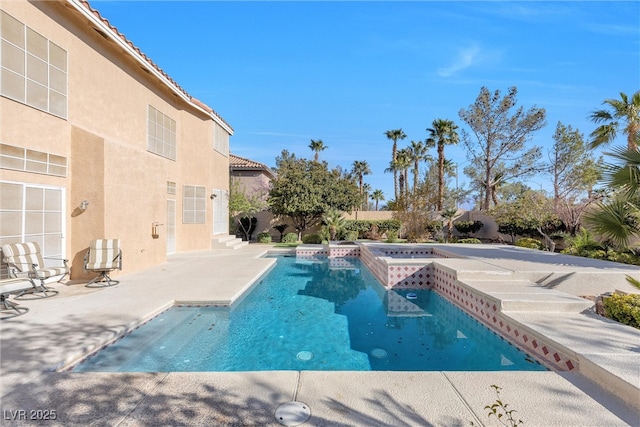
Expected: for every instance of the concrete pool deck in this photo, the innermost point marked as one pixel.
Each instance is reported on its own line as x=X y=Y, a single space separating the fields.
x=58 y=330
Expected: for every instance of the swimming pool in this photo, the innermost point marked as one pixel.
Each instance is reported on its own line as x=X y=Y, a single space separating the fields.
x=314 y=314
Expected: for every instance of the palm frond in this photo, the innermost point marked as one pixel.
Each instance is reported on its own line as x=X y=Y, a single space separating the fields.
x=617 y=221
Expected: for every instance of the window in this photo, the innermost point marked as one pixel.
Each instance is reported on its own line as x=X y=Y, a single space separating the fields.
x=220 y=140
x=171 y=187
x=161 y=134
x=22 y=159
x=194 y=204
x=32 y=213
x=33 y=69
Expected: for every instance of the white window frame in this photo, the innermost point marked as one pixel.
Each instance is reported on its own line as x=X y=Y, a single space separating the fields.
x=194 y=204
x=52 y=84
x=161 y=134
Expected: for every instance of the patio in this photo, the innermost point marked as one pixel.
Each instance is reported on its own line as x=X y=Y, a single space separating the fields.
x=58 y=331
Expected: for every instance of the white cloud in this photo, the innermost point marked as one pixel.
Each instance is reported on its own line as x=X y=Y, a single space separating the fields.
x=466 y=58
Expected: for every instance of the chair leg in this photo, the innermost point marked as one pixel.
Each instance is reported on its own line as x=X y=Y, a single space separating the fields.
x=103 y=280
x=7 y=306
x=39 y=291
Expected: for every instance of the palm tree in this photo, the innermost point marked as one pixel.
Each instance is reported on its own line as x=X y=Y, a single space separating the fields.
x=376 y=196
x=418 y=153
x=334 y=221
x=395 y=135
x=449 y=214
x=360 y=169
x=366 y=189
x=623 y=110
x=317 y=146
x=619 y=219
x=444 y=132
x=403 y=163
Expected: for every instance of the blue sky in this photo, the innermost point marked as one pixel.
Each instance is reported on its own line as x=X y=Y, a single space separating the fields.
x=283 y=73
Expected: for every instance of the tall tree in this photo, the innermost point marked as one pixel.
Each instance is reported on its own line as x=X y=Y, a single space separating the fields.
x=444 y=132
x=377 y=195
x=574 y=172
x=622 y=115
x=366 y=190
x=243 y=207
x=304 y=190
x=317 y=146
x=395 y=135
x=360 y=168
x=418 y=151
x=403 y=163
x=531 y=212
x=501 y=136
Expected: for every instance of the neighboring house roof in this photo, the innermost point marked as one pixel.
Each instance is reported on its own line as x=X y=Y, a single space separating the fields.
x=113 y=33
x=237 y=163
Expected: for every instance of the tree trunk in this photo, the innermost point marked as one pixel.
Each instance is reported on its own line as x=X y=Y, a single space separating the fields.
x=487 y=189
x=440 y=176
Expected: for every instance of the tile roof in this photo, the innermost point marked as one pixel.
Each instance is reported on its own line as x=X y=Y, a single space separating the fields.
x=148 y=60
x=240 y=163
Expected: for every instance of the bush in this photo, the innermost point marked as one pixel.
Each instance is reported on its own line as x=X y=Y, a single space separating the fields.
x=290 y=238
x=371 y=228
x=608 y=254
x=351 y=235
x=624 y=309
x=264 y=237
x=470 y=240
x=312 y=239
x=528 y=242
x=392 y=236
x=468 y=227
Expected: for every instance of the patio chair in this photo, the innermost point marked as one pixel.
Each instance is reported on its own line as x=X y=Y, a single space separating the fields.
x=9 y=286
x=103 y=256
x=25 y=260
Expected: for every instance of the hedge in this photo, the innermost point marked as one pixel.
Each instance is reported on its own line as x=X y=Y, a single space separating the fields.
x=624 y=309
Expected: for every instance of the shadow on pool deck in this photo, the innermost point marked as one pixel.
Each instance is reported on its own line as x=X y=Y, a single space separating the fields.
x=60 y=328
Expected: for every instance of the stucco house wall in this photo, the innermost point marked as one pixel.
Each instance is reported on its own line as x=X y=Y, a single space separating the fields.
x=110 y=87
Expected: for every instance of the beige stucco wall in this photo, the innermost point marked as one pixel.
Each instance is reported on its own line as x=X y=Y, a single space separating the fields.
x=104 y=139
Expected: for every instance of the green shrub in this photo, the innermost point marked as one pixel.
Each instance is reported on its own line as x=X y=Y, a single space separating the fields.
x=528 y=242
x=392 y=236
x=389 y=225
x=624 y=309
x=312 y=239
x=264 y=237
x=351 y=235
x=468 y=227
x=469 y=240
x=290 y=238
x=366 y=228
x=604 y=254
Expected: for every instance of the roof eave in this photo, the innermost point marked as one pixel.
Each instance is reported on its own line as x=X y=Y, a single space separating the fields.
x=94 y=17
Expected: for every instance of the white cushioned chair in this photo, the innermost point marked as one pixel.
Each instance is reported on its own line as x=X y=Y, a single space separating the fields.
x=10 y=286
x=103 y=257
x=26 y=260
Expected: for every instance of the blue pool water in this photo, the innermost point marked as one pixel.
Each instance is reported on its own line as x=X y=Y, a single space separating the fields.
x=314 y=315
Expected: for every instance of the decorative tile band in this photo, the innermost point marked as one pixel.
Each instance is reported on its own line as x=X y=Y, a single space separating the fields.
x=394 y=274
x=487 y=310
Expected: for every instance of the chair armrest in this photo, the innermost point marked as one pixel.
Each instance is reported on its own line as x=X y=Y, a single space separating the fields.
x=64 y=260
x=30 y=266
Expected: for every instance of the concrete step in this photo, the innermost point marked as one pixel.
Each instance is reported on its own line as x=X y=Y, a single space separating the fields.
x=227 y=242
x=522 y=295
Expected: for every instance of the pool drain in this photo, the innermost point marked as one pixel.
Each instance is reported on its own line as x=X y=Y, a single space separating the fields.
x=305 y=356
x=379 y=353
x=292 y=413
